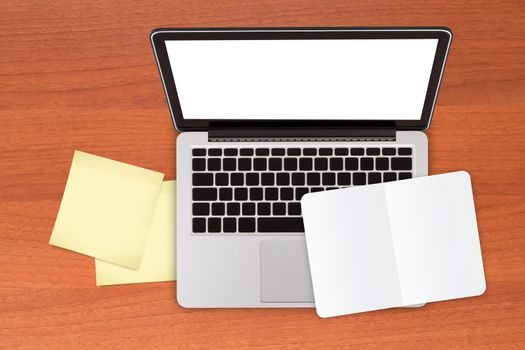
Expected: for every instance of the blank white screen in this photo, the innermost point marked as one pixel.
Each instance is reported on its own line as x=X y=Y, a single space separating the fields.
x=344 y=79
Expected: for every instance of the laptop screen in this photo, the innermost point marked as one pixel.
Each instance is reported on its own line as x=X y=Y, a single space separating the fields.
x=335 y=79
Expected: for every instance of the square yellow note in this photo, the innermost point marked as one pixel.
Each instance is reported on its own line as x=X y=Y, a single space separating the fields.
x=158 y=261
x=106 y=210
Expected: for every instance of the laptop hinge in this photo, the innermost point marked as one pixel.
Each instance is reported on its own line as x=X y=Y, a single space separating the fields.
x=268 y=134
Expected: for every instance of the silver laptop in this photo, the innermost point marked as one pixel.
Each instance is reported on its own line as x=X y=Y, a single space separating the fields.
x=267 y=115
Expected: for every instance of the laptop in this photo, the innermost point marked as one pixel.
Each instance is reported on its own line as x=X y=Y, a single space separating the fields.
x=267 y=115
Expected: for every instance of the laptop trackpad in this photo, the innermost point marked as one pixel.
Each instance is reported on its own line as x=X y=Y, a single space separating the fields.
x=285 y=272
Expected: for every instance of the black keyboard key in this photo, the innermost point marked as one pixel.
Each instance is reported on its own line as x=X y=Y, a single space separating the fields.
x=279 y=208
x=287 y=194
x=202 y=179
x=199 y=152
x=351 y=163
x=237 y=179
x=305 y=164
x=332 y=188
x=387 y=177
x=229 y=164
x=336 y=164
x=325 y=151
x=389 y=151
x=367 y=163
x=404 y=151
x=245 y=163
x=221 y=179
x=341 y=151
x=283 y=179
x=252 y=179
x=214 y=225
x=357 y=151
x=401 y=163
x=316 y=189
x=321 y=163
x=218 y=209
x=215 y=152
x=199 y=164
x=374 y=178
x=199 y=225
x=359 y=179
x=290 y=164
x=309 y=152
x=230 y=152
x=403 y=176
x=256 y=194
x=247 y=224
x=246 y=152
x=229 y=225
x=298 y=179
x=372 y=151
x=204 y=194
x=259 y=164
x=264 y=209
x=225 y=194
x=294 y=208
x=382 y=163
x=294 y=151
x=275 y=164
x=200 y=209
x=300 y=192
x=313 y=179
x=287 y=224
x=262 y=152
x=271 y=194
x=233 y=208
x=248 y=208
x=267 y=179
x=241 y=194
x=214 y=164
x=328 y=179
x=278 y=152
x=343 y=179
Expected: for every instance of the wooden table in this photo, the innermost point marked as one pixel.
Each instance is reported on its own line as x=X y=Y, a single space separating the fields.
x=81 y=75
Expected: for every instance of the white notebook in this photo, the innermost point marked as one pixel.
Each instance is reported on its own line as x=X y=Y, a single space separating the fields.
x=393 y=244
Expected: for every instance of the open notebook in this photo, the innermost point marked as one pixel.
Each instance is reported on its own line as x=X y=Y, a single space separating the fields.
x=394 y=244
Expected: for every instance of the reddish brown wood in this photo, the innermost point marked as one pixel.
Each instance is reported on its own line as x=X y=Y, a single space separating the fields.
x=81 y=75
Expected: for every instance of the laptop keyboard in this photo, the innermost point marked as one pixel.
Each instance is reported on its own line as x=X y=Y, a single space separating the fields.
x=258 y=190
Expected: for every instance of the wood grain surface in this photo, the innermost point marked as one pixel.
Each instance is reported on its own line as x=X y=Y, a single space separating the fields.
x=81 y=75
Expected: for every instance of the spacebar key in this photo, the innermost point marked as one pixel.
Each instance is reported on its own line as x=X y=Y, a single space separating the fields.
x=280 y=225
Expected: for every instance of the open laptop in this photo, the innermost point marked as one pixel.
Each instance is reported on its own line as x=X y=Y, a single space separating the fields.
x=267 y=115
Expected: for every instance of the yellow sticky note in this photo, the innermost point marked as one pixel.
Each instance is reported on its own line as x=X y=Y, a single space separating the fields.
x=158 y=261
x=107 y=209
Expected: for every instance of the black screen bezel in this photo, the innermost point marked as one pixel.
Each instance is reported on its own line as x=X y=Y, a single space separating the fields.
x=161 y=35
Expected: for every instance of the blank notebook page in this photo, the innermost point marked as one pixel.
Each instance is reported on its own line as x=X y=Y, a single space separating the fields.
x=435 y=235
x=393 y=244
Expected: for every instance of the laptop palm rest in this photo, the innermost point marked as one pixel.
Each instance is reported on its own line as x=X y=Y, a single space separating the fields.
x=285 y=272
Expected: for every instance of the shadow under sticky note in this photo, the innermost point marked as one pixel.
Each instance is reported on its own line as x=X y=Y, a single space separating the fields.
x=107 y=209
x=158 y=260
